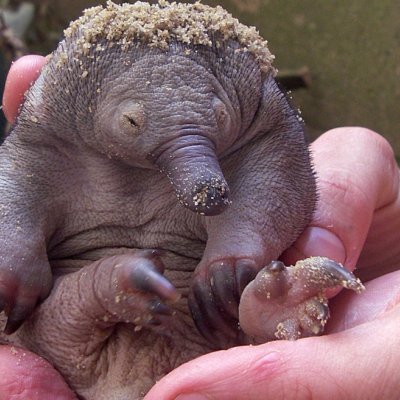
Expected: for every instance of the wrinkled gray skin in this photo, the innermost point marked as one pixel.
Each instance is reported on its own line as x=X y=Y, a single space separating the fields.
x=82 y=198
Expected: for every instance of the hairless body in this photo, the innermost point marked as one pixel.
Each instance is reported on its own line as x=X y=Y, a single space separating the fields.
x=138 y=106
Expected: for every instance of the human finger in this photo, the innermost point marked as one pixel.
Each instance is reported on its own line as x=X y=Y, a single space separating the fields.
x=349 y=364
x=22 y=73
x=356 y=175
x=24 y=375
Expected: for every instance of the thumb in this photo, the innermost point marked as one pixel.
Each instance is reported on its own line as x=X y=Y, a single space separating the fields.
x=348 y=365
x=22 y=74
x=24 y=375
x=356 y=172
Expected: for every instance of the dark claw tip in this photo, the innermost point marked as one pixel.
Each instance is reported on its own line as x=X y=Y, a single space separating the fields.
x=149 y=280
x=245 y=272
x=162 y=287
x=345 y=277
x=159 y=308
x=276 y=267
x=354 y=284
x=208 y=317
x=223 y=287
x=12 y=325
x=17 y=315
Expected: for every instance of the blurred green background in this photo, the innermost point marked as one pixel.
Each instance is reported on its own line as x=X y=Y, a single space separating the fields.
x=351 y=49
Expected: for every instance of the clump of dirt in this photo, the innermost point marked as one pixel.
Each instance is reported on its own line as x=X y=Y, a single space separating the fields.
x=156 y=25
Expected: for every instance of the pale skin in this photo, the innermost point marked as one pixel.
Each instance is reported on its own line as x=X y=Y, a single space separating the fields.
x=357 y=222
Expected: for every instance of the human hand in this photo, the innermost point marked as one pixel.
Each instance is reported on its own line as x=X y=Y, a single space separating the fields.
x=358 y=212
x=21 y=75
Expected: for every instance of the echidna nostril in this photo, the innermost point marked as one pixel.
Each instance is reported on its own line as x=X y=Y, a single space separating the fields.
x=212 y=198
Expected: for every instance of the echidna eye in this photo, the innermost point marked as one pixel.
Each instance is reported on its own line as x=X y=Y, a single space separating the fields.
x=131 y=121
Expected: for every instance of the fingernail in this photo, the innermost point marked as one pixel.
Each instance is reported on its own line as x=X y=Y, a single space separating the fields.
x=191 y=396
x=316 y=241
